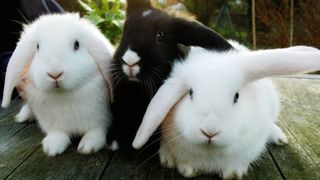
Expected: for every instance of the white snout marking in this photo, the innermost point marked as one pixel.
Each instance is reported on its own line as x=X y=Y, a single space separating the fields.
x=146 y=13
x=130 y=66
x=130 y=57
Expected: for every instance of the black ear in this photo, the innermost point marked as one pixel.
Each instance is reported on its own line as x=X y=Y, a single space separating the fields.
x=184 y=49
x=192 y=33
x=137 y=4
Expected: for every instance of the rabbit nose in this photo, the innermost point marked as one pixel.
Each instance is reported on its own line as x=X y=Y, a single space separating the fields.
x=209 y=135
x=130 y=64
x=130 y=58
x=55 y=76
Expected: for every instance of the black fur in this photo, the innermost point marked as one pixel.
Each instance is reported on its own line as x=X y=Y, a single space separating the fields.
x=155 y=38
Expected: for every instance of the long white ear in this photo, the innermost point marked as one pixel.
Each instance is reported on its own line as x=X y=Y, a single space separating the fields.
x=286 y=61
x=102 y=51
x=22 y=55
x=166 y=97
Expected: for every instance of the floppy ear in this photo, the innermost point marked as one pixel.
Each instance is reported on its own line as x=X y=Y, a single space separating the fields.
x=102 y=51
x=166 y=97
x=184 y=49
x=137 y=4
x=21 y=57
x=286 y=61
x=192 y=33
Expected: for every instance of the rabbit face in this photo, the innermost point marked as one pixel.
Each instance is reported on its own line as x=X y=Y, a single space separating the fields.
x=61 y=60
x=146 y=50
x=58 y=51
x=208 y=114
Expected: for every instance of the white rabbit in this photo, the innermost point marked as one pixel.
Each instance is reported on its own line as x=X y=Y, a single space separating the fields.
x=218 y=112
x=61 y=67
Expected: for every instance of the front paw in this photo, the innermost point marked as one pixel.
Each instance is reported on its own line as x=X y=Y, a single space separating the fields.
x=55 y=143
x=165 y=159
x=92 y=142
x=235 y=173
x=278 y=137
x=25 y=114
x=114 y=146
x=187 y=171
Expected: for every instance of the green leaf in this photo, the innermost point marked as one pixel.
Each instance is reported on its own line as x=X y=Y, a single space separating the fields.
x=115 y=6
x=95 y=19
x=107 y=16
x=85 y=6
x=105 y=5
x=117 y=23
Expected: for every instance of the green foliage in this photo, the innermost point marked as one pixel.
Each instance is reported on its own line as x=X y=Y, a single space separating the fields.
x=107 y=16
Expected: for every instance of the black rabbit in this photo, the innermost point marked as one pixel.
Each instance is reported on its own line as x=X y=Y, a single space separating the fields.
x=150 y=44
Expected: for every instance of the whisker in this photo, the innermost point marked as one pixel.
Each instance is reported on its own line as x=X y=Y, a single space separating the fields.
x=118 y=80
x=150 y=88
x=145 y=87
x=24 y=17
x=150 y=144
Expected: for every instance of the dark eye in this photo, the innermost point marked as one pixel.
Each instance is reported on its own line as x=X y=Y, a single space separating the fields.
x=37 y=46
x=160 y=36
x=236 y=97
x=76 y=45
x=191 y=93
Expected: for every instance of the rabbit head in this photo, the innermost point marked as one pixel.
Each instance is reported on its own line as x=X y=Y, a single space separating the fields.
x=151 y=39
x=58 y=52
x=213 y=92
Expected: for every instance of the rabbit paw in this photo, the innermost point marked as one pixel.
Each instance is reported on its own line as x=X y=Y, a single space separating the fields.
x=114 y=146
x=165 y=159
x=278 y=137
x=55 y=143
x=236 y=173
x=25 y=114
x=92 y=142
x=187 y=171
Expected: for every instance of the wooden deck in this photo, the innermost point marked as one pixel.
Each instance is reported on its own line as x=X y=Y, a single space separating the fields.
x=21 y=156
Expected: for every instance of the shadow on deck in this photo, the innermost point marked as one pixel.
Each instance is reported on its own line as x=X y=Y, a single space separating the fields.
x=21 y=156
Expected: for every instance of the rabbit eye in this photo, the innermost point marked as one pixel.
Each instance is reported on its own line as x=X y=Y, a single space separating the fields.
x=37 y=46
x=236 y=97
x=76 y=45
x=160 y=36
x=191 y=93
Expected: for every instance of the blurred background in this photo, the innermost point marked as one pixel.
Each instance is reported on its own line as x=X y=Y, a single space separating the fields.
x=256 y=23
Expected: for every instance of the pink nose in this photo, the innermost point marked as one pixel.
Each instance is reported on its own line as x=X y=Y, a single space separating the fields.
x=131 y=65
x=209 y=135
x=55 y=76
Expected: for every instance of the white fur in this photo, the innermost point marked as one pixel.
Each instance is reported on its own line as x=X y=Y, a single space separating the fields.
x=131 y=57
x=243 y=129
x=146 y=13
x=25 y=114
x=131 y=68
x=77 y=103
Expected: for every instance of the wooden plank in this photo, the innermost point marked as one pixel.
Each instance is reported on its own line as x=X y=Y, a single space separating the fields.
x=15 y=105
x=8 y=127
x=69 y=165
x=263 y=169
x=128 y=166
x=300 y=120
x=293 y=161
x=14 y=151
x=159 y=172
x=301 y=113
